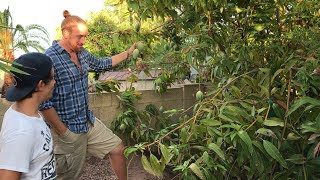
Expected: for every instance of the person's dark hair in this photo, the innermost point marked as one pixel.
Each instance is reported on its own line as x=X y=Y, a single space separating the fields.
x=70 y=21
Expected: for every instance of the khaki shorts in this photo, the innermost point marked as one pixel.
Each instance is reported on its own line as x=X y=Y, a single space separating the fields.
x=71 y=149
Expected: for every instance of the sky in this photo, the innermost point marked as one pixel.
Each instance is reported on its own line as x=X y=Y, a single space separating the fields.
x=48 y=13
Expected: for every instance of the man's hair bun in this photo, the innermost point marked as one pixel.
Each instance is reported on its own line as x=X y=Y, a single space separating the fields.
x=66 y=13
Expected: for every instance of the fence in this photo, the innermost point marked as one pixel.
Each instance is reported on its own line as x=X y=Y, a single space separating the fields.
x=106 y=105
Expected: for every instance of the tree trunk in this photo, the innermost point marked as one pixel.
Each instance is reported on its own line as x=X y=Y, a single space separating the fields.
x=7 y=76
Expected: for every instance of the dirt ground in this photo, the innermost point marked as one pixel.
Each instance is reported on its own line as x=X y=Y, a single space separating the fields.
x=96 y=169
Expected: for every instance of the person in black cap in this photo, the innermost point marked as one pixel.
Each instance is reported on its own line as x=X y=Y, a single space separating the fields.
x=26 y=146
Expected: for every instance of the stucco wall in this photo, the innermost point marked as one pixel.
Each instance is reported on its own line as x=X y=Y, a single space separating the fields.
x=106 y=105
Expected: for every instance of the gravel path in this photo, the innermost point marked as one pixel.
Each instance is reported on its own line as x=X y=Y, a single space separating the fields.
x=96 y=169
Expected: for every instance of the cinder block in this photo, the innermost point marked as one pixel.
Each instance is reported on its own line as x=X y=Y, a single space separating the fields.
x=173 y=104
x=190 y=90
x=149 y=96
x=100 y=100
x=173 y=94
x=107 y=115
x=114 y=100
x=96 y=112
x=4 y=106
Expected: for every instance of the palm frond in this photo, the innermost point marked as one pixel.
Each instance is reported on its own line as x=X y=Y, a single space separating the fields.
x=38 y=28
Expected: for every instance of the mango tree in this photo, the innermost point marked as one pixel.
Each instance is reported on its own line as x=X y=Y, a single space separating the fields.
x=260 y=117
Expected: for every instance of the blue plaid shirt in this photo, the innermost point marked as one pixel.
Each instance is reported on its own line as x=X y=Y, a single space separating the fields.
x=70 y=96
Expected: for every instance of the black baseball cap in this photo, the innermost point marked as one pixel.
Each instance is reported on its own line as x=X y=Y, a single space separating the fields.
x=37 y=65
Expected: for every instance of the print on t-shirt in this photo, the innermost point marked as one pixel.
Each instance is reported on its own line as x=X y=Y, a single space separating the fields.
x=48 y=171
x=47 y=137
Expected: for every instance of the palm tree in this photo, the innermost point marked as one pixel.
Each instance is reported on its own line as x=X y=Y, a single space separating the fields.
x=17 y=37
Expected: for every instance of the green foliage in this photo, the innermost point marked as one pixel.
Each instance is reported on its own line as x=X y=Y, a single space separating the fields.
x=139 y=125
x=18 y=37
x=6 y=68
x=30 y=37
x=109 y=85
x=163 y=81
x=261 y=117
x=114 y=30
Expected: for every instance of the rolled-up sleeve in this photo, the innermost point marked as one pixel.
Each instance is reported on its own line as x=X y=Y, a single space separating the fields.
x=97 y=64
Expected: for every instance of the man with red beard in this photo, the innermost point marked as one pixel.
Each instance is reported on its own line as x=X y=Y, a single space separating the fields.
x=77 y=130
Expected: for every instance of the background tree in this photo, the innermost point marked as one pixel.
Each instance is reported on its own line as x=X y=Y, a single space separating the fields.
x=115 y=28
x=260 y=117
x=18 y=38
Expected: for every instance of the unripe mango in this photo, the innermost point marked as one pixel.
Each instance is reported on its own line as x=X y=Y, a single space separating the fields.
x=135 y=53
x=140 y=46
x=199 y=95
x=122 y=126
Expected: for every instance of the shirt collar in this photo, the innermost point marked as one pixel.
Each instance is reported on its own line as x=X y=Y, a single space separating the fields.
x=56 y=45
x=59 y=48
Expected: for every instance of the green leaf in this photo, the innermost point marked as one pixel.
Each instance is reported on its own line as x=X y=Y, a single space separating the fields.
x=236 y=91
x=239 y=111
x=217 y=150
x=246 y=139
x=274 y=153
x=309 y=127
x=292 y=136
x=166 y=153
x=290 y=63
x=266 y=132
x=259 y=27
x=183 y=135
x=130 y=150
x=221 y=9
x=253 y=111
x=146 y=165
x=155 y=165
x=315 y=161
x=261 y=110
x=247 y=106
x=276 y=74
x=258 y=161
x=264 y=70
x=302 y=101
x=201 y=148
x=238 y=10
x=273 y=122
x=196 y=170
x=133 y=5
x=7 y=68
x=297 y=159
x=258 y=145
x=210 y=122
x=226 y=118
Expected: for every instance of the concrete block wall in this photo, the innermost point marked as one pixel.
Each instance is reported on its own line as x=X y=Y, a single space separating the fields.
x=4 y=105
x=106 y=105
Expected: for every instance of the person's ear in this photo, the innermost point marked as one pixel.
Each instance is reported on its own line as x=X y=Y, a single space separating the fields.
x=41 y=84
x=38 y=86
x=65 y=33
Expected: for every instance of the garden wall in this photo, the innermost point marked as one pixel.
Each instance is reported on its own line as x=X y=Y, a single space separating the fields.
x=106 y=105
